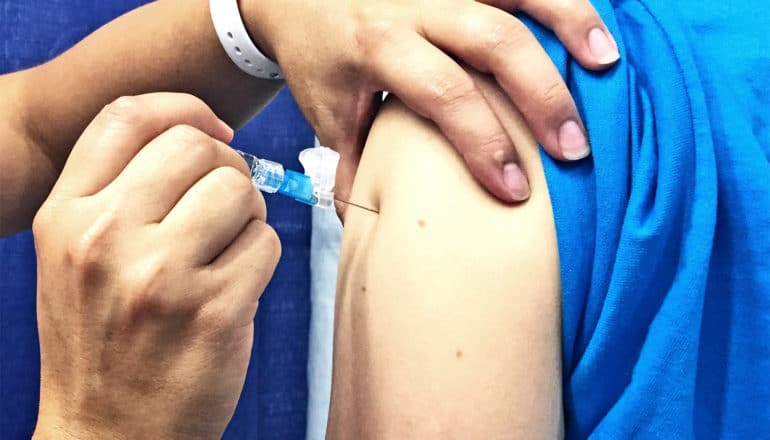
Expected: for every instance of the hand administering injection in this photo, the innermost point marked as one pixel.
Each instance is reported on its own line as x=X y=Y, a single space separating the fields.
x=337 y=56
x=152 y=255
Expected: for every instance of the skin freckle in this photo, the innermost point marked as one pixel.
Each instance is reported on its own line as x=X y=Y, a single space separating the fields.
x=363 y=288
x=459 y=354
x=421 y=223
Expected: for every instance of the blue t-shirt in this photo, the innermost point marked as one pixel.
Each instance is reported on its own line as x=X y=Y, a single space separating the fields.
x=664 y=233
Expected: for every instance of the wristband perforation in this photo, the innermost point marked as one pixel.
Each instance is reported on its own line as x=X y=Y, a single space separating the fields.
x=237 y=43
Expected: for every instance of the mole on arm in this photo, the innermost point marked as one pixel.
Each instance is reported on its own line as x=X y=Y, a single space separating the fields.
x=459 y=354
x=421 y=223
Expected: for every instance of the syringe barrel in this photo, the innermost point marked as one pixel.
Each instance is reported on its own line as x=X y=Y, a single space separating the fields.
x=270 y=177
x=267 y=175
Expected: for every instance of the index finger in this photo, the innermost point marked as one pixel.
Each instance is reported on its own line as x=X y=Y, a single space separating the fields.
x=122 y=129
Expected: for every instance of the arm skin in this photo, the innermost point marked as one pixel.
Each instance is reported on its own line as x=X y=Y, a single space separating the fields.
x=448 y=307
x=171 y=46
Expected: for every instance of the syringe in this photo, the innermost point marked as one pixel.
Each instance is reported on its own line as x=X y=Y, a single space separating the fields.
x=314 y=188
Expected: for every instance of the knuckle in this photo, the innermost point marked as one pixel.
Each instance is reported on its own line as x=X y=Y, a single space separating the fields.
x=87 y=252
x=188 y=136
x=234 y=181
x=555 y=95
x=193 y=101
x=502 y=36
x=125 y=110
x=146 y=286
x=199 y=152
x=193 y=144
x=451 y=92
x=196 y=104
x=372 y=31
x=489 y=147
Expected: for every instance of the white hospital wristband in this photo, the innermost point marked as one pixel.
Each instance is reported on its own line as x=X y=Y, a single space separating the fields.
x=235 y=39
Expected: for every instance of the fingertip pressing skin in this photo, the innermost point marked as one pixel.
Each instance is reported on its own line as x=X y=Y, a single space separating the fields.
x=506 y=181
x=515 y=180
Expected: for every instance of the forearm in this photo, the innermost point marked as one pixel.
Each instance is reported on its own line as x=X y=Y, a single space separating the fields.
x=168 y=45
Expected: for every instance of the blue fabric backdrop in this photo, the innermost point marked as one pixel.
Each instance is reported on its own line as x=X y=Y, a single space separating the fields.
x=273 y=403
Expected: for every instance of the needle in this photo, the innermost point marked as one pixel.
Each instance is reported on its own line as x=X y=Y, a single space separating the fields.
x=357 y=206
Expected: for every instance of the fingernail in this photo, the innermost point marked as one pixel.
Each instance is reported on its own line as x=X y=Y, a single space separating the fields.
x=602 y=46
x=572 y=141
x=516 y=182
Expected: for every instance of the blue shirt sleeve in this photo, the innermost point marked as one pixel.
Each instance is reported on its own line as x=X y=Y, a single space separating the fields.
x=663 y=231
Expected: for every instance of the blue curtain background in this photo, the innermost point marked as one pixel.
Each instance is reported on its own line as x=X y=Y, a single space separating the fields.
x=273 y=403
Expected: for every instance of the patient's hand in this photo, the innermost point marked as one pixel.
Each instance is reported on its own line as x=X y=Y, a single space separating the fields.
x=337 y=55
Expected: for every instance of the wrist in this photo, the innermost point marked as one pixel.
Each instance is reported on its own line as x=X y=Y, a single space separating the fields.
x=255 y=18
x=57 y=419
x=49 y=429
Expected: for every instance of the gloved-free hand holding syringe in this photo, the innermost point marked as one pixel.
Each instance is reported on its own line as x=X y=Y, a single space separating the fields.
x=314 y=188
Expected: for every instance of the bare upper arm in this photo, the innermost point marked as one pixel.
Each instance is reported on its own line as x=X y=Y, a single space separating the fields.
x=448 y=305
